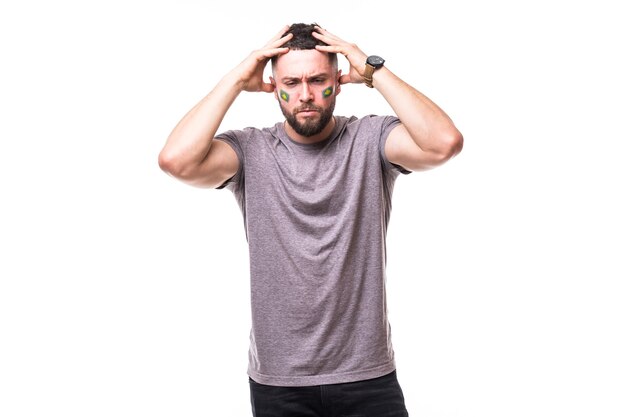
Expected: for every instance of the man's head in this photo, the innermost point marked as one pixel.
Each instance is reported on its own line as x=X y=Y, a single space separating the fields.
x=306 y=82
x=303 y=40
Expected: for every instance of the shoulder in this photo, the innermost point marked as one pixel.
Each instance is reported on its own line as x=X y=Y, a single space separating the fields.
x=245 y=137
x=247 y=132
x=371 y=125
x=371 y=120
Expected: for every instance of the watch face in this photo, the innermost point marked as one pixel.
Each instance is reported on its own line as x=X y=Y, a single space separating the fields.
x=375 y=61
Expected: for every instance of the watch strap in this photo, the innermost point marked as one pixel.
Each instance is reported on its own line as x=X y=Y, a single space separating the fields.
x=368 y=75
x=372 y=63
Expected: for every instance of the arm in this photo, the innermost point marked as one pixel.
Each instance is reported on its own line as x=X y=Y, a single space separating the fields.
x=427 y=137
x=190 y=153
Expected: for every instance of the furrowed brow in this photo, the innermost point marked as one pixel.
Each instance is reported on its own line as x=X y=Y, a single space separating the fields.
x=321 y=75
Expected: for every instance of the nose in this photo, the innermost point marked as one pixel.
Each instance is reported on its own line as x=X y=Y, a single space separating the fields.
x=306 y=94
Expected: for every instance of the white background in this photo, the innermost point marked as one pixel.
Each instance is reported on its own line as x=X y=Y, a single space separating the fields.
x=124 y=292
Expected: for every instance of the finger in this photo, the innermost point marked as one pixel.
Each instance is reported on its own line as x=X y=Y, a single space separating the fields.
x=333 y=49
x=323 y=33
x=280 y=38
x=322 y=37
x=345 y=79
x=267 y=87
x=280 y=42
x=266 y=54
x=279 y=34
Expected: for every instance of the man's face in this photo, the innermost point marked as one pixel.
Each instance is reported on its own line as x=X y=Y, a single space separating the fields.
x=306 y=86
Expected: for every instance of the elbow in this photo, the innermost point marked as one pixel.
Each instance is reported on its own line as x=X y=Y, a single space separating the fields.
x=456 y=143
x=166 y=162
x=452 y=145
x=179 y=168
x=171 y=164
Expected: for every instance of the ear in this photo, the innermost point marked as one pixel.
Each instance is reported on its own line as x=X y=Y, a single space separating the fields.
x=273 y=82
x=338 y=83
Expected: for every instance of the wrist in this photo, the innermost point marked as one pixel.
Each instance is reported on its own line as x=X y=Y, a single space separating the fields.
x=234 y=81
x=372 y=63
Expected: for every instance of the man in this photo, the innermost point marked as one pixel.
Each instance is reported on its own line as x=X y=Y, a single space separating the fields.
x=315 y=193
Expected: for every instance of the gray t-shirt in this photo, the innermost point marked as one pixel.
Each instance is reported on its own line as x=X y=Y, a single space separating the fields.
x=316 y=220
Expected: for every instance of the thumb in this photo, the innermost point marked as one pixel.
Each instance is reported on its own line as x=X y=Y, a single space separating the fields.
x=345 y=79
x=267 y=87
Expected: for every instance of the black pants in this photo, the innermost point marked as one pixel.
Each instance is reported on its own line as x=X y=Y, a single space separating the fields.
x=379 y=397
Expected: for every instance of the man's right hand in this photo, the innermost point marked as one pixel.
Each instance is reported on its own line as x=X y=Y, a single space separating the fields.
x=250 y=72
x=190 y=154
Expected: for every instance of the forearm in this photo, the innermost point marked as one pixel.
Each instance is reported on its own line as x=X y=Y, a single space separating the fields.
x=427 y=124
x=190 y=141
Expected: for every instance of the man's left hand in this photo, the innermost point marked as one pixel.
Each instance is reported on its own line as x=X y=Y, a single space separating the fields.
x=353 y=54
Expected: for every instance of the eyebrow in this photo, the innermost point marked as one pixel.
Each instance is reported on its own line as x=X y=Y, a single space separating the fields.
x=291 y=78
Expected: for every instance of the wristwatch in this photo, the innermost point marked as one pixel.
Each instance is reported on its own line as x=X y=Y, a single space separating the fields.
x=372 y=63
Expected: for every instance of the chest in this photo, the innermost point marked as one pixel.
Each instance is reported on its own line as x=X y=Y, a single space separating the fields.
x=312 y=181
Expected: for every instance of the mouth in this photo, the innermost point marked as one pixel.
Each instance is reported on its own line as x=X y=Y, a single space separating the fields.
x=308 y=111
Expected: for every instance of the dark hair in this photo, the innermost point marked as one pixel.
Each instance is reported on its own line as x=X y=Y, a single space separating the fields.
x=303 y=39
x=303 y=36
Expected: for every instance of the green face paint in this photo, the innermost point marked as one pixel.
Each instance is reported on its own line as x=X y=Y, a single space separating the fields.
x=284 y=95
x=328 y=92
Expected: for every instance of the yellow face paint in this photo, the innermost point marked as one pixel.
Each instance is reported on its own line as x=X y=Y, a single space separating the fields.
x=284 y=95
x=328 y=92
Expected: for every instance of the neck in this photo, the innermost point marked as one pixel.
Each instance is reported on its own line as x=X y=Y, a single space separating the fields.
x=307 y=140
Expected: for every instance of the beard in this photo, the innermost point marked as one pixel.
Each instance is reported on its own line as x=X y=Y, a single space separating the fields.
x=311 y=126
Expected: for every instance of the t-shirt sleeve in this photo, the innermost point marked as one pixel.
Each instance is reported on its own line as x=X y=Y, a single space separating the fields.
x=234 y=138
x=388 y=123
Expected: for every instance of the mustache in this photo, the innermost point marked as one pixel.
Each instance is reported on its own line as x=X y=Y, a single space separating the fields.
x=308 y=107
